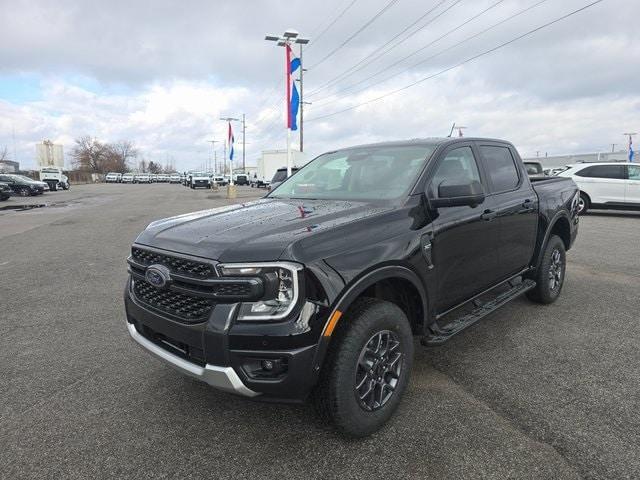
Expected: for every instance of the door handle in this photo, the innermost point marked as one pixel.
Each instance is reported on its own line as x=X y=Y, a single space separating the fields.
x=527 y=205
x=488 y=215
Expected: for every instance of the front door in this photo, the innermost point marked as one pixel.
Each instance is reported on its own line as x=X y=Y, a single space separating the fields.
x=463 y=240
x=632 y=192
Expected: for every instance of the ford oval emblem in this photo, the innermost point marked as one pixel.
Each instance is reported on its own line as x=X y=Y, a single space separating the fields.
x=158 y=276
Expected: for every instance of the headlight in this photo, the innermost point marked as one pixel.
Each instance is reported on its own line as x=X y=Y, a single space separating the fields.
x=282 y=282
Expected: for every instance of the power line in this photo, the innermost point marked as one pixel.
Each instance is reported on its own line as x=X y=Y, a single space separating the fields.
x=421 y=62
x=459 y=64
x=331 y=24
x=353 y=69
x=356 y=33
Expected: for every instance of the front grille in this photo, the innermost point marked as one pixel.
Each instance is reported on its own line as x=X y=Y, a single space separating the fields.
x=189 y=308
x=179 y=265
x=232 y=290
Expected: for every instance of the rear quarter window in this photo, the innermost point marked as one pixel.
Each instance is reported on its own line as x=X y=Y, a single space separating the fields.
x=603 y=171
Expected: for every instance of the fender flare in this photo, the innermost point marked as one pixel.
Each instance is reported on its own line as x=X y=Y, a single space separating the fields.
x=547 y=234
x=353 y=291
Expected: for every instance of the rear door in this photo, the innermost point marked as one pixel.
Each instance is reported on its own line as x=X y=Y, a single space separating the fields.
x=603 y=183
x=632 y=192
x=515 y=204
x=463 y=242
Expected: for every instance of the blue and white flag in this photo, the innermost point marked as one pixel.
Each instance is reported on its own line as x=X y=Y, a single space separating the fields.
x=630 y=149
x=293 y=98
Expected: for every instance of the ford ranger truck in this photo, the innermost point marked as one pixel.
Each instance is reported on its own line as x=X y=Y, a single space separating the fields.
x=318 y=290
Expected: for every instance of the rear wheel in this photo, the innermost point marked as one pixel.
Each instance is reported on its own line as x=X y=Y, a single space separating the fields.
x=367 y=368
x=24 y=192
x=583 y=203
x=550 y=275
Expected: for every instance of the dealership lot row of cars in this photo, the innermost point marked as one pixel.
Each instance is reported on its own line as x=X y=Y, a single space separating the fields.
x=189 y=179
x=21 y=185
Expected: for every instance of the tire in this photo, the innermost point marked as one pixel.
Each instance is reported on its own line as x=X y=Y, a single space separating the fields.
x=583 y=204
x=337 y=397
x=551 y=273
x=24 y=192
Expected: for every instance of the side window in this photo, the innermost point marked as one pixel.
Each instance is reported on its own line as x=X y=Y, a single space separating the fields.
x=458 y=167
x=500 y=167
x=603 y=171
x=634 y=172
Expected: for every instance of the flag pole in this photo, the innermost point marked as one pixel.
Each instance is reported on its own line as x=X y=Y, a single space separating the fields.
x=288 y=103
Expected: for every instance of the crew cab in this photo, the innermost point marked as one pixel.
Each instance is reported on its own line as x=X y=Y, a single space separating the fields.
x=113 y=177
x=614 y=186
x=322 y=296
x=200 y=180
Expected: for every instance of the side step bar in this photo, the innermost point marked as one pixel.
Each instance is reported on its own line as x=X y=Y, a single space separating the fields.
x=440 y=335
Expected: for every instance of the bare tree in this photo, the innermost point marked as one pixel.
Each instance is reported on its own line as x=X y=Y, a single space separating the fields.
x=155 y=167
x=118 y=155
x=142 y=166
x=4 y=153
x=89 y=154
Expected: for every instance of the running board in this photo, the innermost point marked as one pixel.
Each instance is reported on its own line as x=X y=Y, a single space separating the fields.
x=457 y=325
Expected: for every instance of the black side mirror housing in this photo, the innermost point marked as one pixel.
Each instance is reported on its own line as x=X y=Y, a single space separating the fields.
x=468 y=194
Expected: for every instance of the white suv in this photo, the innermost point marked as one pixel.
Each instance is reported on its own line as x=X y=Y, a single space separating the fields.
x=606 y=185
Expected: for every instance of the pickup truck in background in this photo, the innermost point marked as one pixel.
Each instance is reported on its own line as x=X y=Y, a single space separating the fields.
x=54 y=177
x=322 y=297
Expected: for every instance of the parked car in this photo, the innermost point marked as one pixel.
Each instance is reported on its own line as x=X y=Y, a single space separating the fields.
x=280 y=176
x=23 y=186
x=219 y=180
x=113 y=177
x=613 y=185
x=241 y=179
x=128 y=178
x=143 y=178
x=175 y=178
x=200 y=180
x=5 y=191
x=322 y=296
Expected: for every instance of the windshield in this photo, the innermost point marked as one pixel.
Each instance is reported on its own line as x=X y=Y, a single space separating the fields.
x=368 y=173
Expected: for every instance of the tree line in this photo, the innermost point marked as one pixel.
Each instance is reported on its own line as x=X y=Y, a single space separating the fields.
x=91 y=155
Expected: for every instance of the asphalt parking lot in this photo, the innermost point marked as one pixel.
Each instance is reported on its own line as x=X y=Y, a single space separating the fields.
x=530 y=392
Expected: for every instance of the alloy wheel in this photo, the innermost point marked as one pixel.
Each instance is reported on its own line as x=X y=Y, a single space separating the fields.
x=378 y=371
x=555 y=270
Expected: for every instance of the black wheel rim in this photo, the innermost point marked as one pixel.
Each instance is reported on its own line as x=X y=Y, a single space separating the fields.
x=378 y=371
x=555 y=271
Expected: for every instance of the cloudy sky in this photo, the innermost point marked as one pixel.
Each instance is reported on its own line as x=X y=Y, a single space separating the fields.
x=160 y=73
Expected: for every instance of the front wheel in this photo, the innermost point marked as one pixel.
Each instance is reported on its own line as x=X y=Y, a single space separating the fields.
x=24 y=192
x=367 y=368
x=583 y=203
x=550 y=275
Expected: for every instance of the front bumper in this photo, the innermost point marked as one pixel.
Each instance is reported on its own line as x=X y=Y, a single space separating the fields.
x=224 y=353
x=223 y=378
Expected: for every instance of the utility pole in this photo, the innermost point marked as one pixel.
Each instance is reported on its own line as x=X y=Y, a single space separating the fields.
x=613 y=147
x=288 y=37
x=213 y=146
x=244 y=130
x=537 y=153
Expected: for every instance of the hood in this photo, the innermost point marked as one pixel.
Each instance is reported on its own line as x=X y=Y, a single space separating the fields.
x=255 y=231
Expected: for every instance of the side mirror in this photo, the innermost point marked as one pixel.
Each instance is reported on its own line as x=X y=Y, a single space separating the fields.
x=468 y=194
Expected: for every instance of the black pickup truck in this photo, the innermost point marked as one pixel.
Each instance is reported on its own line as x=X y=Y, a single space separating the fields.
x=318 y=289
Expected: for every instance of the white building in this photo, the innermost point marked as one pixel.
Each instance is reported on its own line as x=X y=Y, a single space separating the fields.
x=49 y=154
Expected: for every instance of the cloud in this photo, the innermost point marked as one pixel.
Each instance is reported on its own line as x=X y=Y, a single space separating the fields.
x=162 y=73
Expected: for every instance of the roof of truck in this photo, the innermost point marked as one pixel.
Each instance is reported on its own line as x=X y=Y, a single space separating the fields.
x=425 y=141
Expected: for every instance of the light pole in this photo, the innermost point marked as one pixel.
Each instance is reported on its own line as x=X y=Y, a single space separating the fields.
x=215 y=163
x=288 y=37
x=228 y=120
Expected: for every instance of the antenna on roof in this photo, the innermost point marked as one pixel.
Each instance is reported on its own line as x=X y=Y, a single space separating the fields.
x=451 y=131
